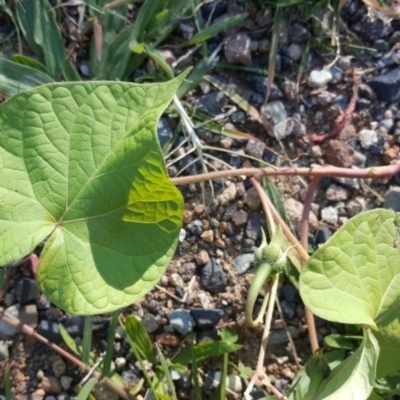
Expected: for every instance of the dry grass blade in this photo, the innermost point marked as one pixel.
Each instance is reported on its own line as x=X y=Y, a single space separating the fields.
x=98 y=37
x=230 y=92
x=274 y=48
x=390 y=13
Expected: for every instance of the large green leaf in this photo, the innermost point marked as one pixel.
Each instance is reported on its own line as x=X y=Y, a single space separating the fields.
x=355 y=278
x=80 y=165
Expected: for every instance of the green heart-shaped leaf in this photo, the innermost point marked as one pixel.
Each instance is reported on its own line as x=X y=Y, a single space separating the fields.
x=355 y=279
x=80 y=164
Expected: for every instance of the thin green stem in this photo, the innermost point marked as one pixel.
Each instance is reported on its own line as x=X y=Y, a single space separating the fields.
x=261 y=276
x=87 y=339
x=110 y=344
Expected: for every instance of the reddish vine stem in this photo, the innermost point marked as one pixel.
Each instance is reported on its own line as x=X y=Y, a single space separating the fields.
x=317 y=170
x=17 y=324
x=312 y=332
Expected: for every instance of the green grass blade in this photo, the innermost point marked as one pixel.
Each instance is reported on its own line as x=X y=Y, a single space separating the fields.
x=147 y=13
x=84 y=393
x=40 y=29
x=195 y=77
x=110 y=344
x=216 y=28
x=167 y=374
x=70 y=73
x=155 y=56
x=30 y=62
x=204 y=350
x=15 y=78
x=139 y=339
x=87 y=339
x=274 y=48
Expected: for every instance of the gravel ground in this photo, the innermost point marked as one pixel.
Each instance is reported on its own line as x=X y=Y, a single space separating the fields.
x=206 y=284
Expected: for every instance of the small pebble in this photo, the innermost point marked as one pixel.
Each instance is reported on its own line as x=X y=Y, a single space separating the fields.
x=367 y=138
x=175 y=280
x=181 y=321
x=50 y=384
x=207 y=236
x=59 y=367
x=202 y=257
x=66 y=382
x=336 y=193
x=319 y=78
x=227 y=195
x=195 y=227
x=330 y=215
x=243 y=262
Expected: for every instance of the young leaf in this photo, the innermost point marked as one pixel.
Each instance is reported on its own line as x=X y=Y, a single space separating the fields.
x=216 y=28
x=355 y=278
x=139 y=338
x=81 y=166
x=354 y=378
x=204 y=350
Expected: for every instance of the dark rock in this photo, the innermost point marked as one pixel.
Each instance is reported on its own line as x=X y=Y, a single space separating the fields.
x=49 y=330
x=363 y=104
x=214 y=102
x=164 y=132
x=187 y=271
x=74 y=325
x=298 y=33
x=237 y=49
x=288 y=292
x=213 y=9
x=186 y=29
x=42 y=302
x=150 y=323
x=322 y=234
x=325 y=182
x=269 y=157
x=214 y=223
x=195 y=227
x=376 y=150
x=387 y=86
x=206 y=319
x=237 y=117
x=289 y=309
x=26 y=290
x=206 y=335
x=179 y=292
x=253 y=228
x=213 y=277
x=392 y=199
x=372 y=29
